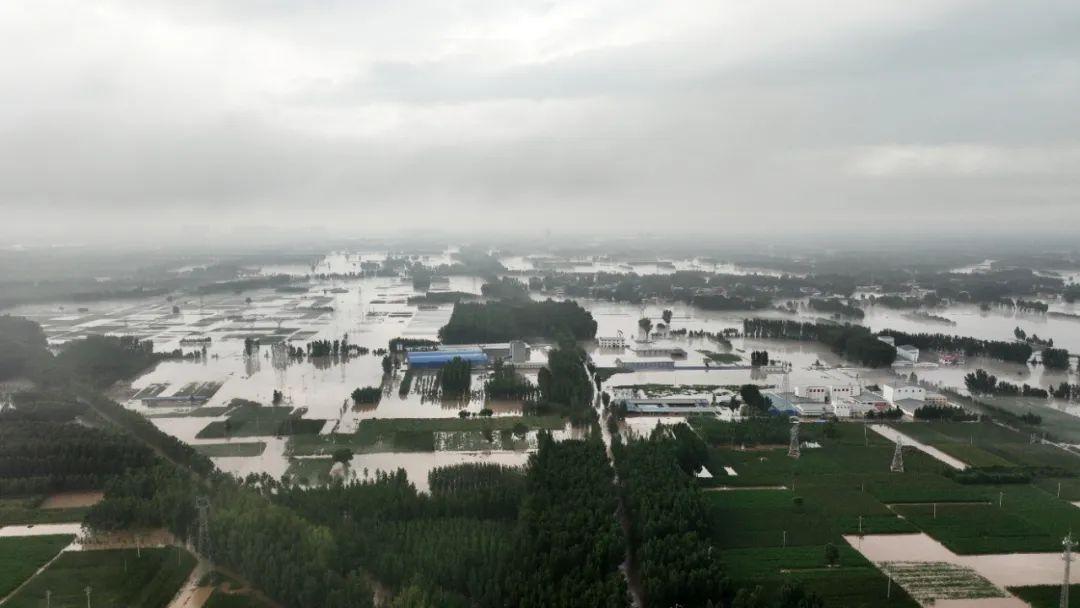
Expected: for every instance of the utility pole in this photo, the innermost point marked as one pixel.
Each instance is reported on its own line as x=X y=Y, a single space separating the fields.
x=87 y=590
x=48 y=598
x=898 y=457
x=793 y=448
x=1068 y=543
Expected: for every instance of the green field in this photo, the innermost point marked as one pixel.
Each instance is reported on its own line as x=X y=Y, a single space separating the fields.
x=854 y=582
x=239 y=448
x=987 y=444
x=420 y=435
x=117 y=577
x=252 y=420
x=1030 y=520
x=20 y=557
x=25 y=511
x=1063 y=426
x=221 y=599
x=1047 y=596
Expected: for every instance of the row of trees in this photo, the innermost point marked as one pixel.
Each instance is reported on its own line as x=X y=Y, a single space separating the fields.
x=669 y=525
x=455 y=377
x=505 y=383
x=835 y=306
x=980 y=382
x=854 y=342
x=503 y=320
x=1013 y=352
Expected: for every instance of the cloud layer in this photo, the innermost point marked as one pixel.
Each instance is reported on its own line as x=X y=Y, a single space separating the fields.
x=593 y=114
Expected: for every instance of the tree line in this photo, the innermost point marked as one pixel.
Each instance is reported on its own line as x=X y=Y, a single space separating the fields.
x=854 y=342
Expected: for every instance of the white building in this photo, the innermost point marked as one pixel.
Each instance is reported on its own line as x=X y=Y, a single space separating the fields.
x=838 y=392
x=818 y=394
x=611 y=341
x=898 y=392
x=672 y=404
x=887 y=340
x=865 y=401
x=907 y=352
x=936 y=399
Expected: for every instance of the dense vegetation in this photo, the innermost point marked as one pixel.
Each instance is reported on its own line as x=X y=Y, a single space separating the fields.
x=455 y=377
x=504 y=320
x=565 y=381
x=504 y=382
x=836 y=307
x=669 y=524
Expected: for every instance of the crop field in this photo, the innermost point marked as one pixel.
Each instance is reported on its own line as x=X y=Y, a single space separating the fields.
x=1063 y=426
x=928 y=581
x=1047 y=596
x=1029 y=520
x=426 y=435
x=987 y=444
x=239 y=448
x=260 y=421
x=118 y=577
x=853 y=582
x=20 y=557
x=25 y=511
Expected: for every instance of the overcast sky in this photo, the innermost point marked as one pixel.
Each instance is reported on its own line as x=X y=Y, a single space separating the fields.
x=374 y=116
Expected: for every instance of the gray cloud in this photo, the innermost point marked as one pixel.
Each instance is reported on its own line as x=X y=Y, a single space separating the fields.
x=481 y=114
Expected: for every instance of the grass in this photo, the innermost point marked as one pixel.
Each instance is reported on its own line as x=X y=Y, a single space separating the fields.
x=20 y=557
x=25 y=511
x=1047 y=596
x=250 y=420
x=239 y=448
x=117 y=577
x=221 y=599
x=721 y=358
x=1058 y=423
x=425 y=435
x=1030 y=520
x=987 y=444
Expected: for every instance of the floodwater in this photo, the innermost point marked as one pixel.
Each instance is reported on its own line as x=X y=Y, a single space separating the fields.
x=1004 y=570
x=373 y=310
x=893 y=435
x=41 y=530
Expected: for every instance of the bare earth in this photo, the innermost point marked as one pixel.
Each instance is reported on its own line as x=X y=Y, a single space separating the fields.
x=71 y=500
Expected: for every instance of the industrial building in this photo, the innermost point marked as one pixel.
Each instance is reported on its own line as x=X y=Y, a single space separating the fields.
x=673 y=404
x=639 y=363
x=819 y=394
x=434 y=359
x=898 y=392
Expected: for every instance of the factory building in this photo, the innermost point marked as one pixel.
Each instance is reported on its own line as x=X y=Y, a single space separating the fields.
x=639 y=363
x=434 y=359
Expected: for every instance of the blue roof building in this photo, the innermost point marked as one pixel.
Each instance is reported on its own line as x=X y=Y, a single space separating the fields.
x=432 y=359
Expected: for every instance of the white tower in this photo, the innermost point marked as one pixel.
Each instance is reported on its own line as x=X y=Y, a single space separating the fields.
x=793 y=449
x=898 y=457
x=1068 y=543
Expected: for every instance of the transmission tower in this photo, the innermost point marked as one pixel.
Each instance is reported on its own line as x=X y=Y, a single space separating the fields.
x=898 y=457
x=202 y=543
x=793 y=449
x=1068 y=543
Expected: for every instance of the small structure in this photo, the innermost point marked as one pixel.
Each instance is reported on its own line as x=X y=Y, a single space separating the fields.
x=936 y=399
x=673 y=404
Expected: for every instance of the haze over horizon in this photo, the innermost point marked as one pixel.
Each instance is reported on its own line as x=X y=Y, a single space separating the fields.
x=124 y=119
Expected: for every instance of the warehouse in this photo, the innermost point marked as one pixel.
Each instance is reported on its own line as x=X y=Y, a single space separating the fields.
x=434 y=359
